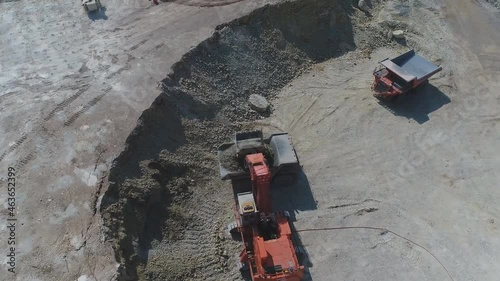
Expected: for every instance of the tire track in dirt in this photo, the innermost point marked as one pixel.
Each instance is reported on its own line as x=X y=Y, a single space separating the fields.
x=42 y=131
x=5 y=96
x=86 y=108
x=16 y=144
x=201 y=242
x=301 y=116
x=142 y=42
x=25 y=160
x=60 y=106
x=127 y=66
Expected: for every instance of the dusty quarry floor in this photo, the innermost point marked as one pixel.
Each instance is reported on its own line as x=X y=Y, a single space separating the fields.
x=112 y=121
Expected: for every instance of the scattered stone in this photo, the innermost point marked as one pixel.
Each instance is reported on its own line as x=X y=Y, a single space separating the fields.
x=400 y=34
x=258 y=103
x=363 y=6
x=389 y=34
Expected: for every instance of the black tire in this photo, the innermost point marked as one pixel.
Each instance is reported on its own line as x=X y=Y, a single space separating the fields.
x=243 y=267
x=300 y=251
x=233 y=229
x=244 y=271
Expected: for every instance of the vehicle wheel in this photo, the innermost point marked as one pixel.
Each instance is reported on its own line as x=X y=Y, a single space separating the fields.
x=287 y=214
x=232 y=229
x=380 y=97
x=243 y=267
x=299 y=250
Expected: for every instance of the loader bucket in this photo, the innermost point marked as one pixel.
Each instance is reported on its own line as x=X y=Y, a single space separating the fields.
x=230 y=166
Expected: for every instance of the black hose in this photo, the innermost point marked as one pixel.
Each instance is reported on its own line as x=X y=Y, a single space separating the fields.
x=379 y=229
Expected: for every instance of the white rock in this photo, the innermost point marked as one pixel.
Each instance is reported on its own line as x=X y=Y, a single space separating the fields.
x=389 y=34
x=363 y=6
x=398 y=34
x=258 y=103
x=77 y=242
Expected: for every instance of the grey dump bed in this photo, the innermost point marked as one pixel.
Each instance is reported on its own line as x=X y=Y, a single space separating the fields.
x=411 y=66
x=283 y=150
x=284 y=156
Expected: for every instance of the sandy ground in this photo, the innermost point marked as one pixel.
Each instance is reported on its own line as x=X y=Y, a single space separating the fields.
x=72 y=88
x=422 y=167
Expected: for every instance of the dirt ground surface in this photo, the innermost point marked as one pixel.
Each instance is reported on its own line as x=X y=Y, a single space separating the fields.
x=102 y=196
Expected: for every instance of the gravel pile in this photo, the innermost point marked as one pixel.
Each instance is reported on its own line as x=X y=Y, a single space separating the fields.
x=495 y=3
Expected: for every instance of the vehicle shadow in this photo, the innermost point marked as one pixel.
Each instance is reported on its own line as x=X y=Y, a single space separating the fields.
x=98 y=14
x=401 y=41
x=418 y=104
x=294 y=199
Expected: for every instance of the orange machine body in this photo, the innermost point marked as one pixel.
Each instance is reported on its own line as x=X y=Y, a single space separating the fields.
x=269 y=251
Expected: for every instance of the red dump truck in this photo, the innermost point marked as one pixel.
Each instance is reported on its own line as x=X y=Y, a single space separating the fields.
x=402 y=75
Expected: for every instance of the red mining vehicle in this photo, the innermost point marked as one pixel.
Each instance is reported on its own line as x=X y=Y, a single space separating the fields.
x=402 y=75
x=253 y=165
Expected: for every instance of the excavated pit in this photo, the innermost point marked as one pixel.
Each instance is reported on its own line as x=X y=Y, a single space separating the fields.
x=165 y=209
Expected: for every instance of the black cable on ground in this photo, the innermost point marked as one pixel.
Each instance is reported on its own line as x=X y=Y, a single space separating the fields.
x=379 y=229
